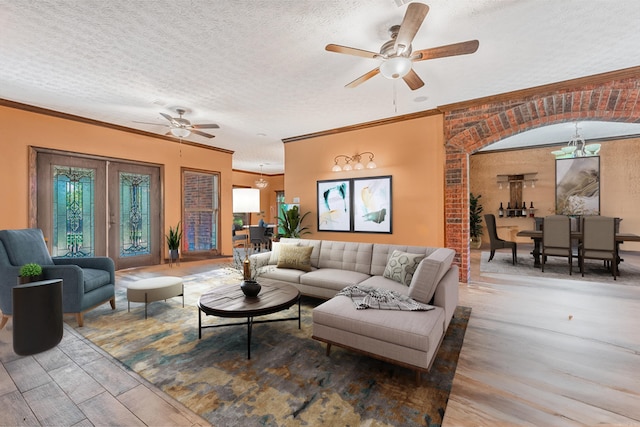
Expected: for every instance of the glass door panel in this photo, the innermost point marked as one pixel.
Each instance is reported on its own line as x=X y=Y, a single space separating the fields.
x=135 y=236
x=71 y=207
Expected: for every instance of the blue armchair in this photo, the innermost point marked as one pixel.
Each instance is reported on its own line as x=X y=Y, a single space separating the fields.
x=86 y=282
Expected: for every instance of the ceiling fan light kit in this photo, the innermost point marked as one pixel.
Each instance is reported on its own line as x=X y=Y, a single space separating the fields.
x=180 y=132
x=396 y=67
x=396 y=54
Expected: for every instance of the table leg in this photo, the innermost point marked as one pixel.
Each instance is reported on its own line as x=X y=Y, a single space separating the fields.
x=199 y=323
x=249 y=327
x=536 y=252
x=299 y=313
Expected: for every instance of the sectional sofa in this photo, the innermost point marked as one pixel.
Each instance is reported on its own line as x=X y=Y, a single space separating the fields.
x=322 y=268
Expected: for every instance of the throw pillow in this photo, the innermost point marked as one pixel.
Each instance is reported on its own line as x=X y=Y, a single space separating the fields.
x=401 y=266
x=275 y=251
x=296 y=257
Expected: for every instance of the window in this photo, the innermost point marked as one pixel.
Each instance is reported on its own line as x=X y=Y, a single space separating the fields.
x=201 y=211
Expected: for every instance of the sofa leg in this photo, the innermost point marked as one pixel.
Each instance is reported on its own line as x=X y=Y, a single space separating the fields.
x=328 y=348
x=4 y=320
x=80 y=319
x=112 y=301
x=418 y=377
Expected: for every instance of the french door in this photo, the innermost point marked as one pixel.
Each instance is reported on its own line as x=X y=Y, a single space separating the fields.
x=95 y=207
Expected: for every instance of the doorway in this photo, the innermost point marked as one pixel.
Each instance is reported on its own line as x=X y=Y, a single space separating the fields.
x=89 y=206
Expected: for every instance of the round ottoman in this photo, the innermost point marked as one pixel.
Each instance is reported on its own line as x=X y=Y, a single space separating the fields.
x=154 y=289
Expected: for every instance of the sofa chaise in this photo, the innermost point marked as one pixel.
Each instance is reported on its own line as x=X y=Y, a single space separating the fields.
x=323 y=268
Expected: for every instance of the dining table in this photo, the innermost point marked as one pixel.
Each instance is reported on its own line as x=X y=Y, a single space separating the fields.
x=536 y=236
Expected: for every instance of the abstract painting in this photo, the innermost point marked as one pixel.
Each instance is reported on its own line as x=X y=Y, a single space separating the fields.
x=372 y=204
x=334 y=205
x=578 y=186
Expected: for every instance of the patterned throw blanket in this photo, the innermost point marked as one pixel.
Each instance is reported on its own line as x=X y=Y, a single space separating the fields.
x=382 y=299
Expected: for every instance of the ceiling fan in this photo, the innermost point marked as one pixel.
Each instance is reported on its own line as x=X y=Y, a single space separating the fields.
x=397 y=55
x=182 y=128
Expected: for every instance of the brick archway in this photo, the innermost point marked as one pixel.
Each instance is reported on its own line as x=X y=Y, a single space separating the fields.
x=469 y=129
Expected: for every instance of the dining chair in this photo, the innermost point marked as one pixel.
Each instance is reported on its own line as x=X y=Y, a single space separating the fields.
x=556 y=239
x=258 y=237
x=599 y=242
x=498 y=243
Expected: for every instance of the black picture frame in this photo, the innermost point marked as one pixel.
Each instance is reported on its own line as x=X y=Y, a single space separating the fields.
x=372 y=205
x=334 y=205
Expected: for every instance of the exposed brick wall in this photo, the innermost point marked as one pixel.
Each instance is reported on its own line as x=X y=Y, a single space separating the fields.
x=467 y=130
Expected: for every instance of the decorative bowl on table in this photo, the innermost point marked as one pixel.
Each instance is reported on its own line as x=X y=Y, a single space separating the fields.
x=250 y=288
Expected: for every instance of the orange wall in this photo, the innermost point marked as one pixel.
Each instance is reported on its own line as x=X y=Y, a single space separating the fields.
x=412 y=152
x=21 y=129
x=619 y=185
x=267 y=196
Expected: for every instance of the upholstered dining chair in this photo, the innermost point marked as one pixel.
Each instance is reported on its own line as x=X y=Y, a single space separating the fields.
x=87 y=282
x=599 y=242
x=258 y=237
x=556 y=239
x=498 y=243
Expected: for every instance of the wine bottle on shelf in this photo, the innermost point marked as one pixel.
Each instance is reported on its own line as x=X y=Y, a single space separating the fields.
x=531 y=213
x=501 y=211
x=509 y=211
x=524 y=209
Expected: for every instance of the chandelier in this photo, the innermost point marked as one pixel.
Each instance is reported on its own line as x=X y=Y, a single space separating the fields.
x=261 y=183
x=577 y=147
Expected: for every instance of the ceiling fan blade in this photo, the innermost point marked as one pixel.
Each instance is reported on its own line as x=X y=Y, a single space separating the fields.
x=205 y=126
x=171 y=119
x=351 y=51
x=149 y=123
x=206 y=135
x=363 y=78
x=416 y=12
x=413 y=80
x=462 y=48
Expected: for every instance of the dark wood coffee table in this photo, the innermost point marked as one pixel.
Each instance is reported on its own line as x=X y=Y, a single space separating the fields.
x=229 y=301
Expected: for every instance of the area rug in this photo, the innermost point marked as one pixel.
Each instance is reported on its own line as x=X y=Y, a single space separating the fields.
x=558 y=268
x=289 y=380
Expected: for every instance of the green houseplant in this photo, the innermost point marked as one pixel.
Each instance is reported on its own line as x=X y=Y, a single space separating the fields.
x=475 y=220
x=290 y=222
x=173 y=241
x=30 y=272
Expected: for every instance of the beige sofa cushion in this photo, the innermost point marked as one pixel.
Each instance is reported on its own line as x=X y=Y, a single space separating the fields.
x=296 y=257
x=418 y=330
x=346 y=256
x=428 y=274
x=315 y=244
x=275 y=251
x=332 y=278
x=401 y=266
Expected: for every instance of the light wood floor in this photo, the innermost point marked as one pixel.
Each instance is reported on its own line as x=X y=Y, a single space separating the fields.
x=545 y=352
x=524 y=361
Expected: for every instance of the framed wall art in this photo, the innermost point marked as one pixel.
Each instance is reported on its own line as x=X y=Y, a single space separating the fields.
x=372 y=209
x=578 y=186
x=334 y=205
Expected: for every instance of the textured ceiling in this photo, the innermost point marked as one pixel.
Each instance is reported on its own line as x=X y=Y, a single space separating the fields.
x=258 y=68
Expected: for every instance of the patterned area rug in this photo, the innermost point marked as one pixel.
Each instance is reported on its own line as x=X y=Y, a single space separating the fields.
x=289 y=380
x=558 y=268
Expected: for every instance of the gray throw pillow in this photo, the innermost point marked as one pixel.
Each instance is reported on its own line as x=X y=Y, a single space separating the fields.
x=401 y=266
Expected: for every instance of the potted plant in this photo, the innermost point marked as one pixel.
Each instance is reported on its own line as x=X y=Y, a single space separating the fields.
x=290 y=222
x=30 y=272
x=475 y=220
x=173 y=241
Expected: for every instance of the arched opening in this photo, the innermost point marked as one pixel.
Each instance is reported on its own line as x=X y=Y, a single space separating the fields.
x=471 y=128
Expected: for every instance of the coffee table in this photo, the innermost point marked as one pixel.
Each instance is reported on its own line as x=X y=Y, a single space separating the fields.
x=229 y=301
